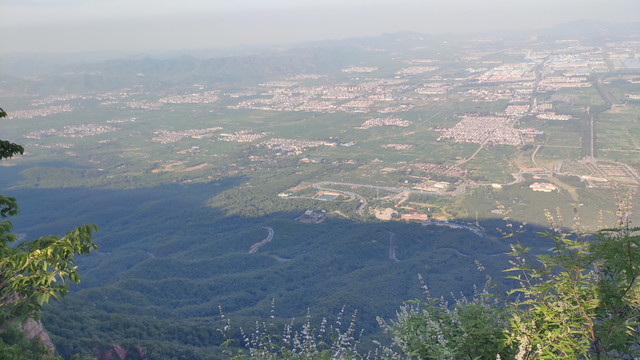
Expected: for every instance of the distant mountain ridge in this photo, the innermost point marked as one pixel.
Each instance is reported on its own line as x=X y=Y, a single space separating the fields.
x=220 y=62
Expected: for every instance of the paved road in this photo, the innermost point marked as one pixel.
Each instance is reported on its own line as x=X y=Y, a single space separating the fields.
x=392 y=247
x=591 y=147
x=363 y=201
x=475 y=153
x=453 y=226
x=328 y=186
x=321 y=186
x=533 y=157
x=257 y=245
x=518 y=178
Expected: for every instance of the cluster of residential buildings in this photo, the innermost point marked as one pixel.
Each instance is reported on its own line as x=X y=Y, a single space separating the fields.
x=422 y=81
x=166 y=136
x=512 y=110
x=360 y=97
x=550 y=115
x=567 y=65
x=121 y=121
x=513 y=94
x=290 y=145
x=324 y=99
x=142 y=105
x=562 y=98
x=415 y=70
x=75 y=131
x=360 y=69
x=243 y=136
x=383 y=122
x=357 y=106
x=57 y=98
x=509 y=73
x=194 y=98
x=46 y=111
x=586 y=61
x=551 y=83
x=396 y=108
x=399 y=146
x=489 y=130
x=433 y=89
x=60 y=145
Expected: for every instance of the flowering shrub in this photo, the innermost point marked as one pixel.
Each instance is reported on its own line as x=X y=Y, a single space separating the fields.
x=434 y=329
x=581 y=300
x=329 y=341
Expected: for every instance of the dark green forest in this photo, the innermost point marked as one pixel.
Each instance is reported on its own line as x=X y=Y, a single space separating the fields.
x=160 y=290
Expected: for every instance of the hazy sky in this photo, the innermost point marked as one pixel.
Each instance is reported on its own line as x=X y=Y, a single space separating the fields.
x=144 y=25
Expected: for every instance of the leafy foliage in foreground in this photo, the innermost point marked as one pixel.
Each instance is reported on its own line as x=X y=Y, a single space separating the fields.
x=34 y=271
x=582 y=300
x=30 y=271
x=467 y=329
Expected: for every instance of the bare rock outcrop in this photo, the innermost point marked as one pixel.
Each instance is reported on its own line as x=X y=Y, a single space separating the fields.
x=34 y=330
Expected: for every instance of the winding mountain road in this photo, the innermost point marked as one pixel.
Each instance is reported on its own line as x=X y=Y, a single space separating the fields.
x=257 y=245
